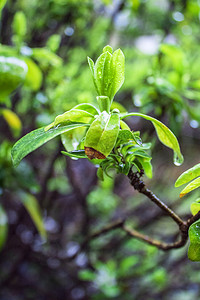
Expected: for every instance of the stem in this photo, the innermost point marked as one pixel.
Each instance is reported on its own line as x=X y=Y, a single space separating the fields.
x=161 y=245
x=138 y=184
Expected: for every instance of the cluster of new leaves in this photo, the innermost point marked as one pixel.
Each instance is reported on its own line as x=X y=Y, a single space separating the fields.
x=129 y=151
x=98 y=133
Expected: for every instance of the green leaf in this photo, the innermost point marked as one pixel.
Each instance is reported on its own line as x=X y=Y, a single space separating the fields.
x=188 y=175
x=80 y=113
x=13 y=120
x=53 y=42
x=195 y=207
x=100 y=174
x=117 y=70
x=124 y=136
x=147 y=166
x=45 y=57
x=194 y=236
x=2 y=4
x=71 y=140
x=12 y=73
x=31 y=204
x=3 y=226
x=103 y=133
x=91 y=65
x=190 y=187
x=88 y=108
x=164 y=134
x=34 y=75
x=19 y=24
x=102 y=73
x=119 y=106
x=37 y=138
x=108 y=72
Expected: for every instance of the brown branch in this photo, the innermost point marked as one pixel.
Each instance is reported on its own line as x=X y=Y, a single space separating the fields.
x=138 y=184
x=157 y=243
x=193 y=219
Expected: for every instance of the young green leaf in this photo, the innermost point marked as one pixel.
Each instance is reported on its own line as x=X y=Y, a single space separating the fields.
x=31 y=204
x=102 y=135
x=80 y=113
x=190 y=187
x=12 y=73
x=71 y=140
x=195 y=207
x=108 y=72
x=37 y=138
x=19 y=24
x=194 y=236
x=102 y=73
x=91 y=65
x=3 y=226
x=117 y=71
x=164 y=134
x=188 y=175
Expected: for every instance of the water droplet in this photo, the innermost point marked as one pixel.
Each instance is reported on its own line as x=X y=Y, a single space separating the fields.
x=178 y=159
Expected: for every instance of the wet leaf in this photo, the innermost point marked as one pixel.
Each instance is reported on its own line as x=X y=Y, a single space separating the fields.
x=103 y=132
x=164 y=134
x=195 y=207
x=80 y=113
x=194 y=236
x=188 y=175
x=37 y=138
x=190 y=187
x=117 y=69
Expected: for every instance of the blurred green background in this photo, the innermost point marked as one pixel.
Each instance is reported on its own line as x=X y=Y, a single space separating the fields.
x=54 y=196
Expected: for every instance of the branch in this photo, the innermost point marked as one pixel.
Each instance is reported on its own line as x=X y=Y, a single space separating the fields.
x=138 y=184
x=161 y=245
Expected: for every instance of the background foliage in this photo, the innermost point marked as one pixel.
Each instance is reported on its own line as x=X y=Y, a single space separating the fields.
x=160 y=40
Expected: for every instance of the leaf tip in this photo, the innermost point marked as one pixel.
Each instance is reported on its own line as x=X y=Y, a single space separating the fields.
x=182 y=195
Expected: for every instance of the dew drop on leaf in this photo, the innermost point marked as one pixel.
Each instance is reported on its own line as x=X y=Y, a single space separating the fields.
x=178 y=159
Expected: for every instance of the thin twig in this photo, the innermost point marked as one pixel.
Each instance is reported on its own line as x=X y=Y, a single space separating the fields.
x=138 y=184
x=193 y=219
x=157 y=243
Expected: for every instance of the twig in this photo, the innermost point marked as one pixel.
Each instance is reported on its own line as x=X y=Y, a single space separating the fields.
x=138 y=184
x=157 y=243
